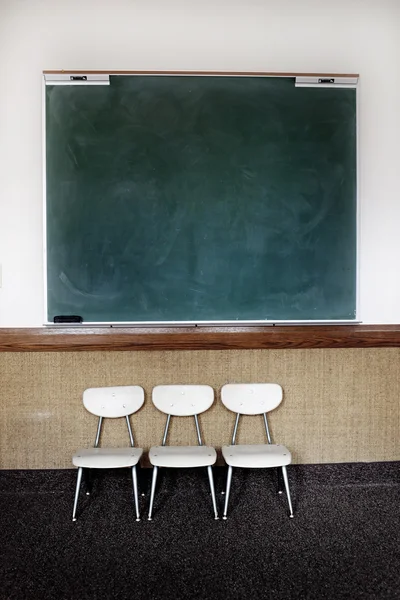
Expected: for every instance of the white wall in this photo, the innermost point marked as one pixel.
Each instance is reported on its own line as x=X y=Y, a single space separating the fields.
x=348 y=36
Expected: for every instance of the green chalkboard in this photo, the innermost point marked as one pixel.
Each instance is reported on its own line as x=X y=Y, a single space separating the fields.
x=200 y=199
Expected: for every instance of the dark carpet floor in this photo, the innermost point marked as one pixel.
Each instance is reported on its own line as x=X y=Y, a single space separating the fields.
x=344 y=541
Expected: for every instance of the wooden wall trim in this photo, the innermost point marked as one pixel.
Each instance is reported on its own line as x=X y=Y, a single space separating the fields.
x=71 y=339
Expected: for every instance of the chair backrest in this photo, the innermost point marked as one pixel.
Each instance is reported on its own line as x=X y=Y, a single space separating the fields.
x=183 y=400
x=251 y=398
x=113 y=402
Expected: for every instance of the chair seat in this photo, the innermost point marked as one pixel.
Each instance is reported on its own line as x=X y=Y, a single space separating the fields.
x=256 y=456
x=182 y=456
x=107 y=458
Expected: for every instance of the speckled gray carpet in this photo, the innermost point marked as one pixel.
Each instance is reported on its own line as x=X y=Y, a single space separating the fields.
x=344 y=541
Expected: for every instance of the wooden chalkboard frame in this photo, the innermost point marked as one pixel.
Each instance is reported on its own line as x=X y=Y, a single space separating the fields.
x=211 y=324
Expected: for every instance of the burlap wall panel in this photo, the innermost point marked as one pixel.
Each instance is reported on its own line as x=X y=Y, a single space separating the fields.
x=339 y=405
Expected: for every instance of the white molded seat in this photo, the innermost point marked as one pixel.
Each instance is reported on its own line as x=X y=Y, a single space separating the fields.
x=110 y=402
x=254 y=399
x=182 y=401
x=256 y=456
x=107 y=458
x=182 y=456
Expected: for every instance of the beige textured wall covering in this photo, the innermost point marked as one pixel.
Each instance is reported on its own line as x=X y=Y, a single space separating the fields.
x=339 y=405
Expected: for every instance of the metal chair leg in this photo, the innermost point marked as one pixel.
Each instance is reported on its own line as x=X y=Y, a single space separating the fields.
x=153 y=489
x=138 y=471
x=78 y=485
x=279 y=481
x=228 y=491
x=135 y=492
x=214 y=501
x=87 y=476
x=285 y=479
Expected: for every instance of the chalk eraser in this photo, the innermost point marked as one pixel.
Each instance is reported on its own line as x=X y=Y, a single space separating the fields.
x=68 y=319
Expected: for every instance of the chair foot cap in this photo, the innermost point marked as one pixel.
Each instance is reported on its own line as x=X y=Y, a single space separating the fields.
x=87 y=493
x=74 y=519
x=216 y=518
x=143 y=494
x=149 y=519
x=137 y=520
x=224 y=517
x=291 y=516
x=222 y=493
x=280 y=492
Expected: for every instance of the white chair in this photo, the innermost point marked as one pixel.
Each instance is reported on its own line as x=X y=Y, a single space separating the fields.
x=182 y=401
x=254 y=399
x=110 y=402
